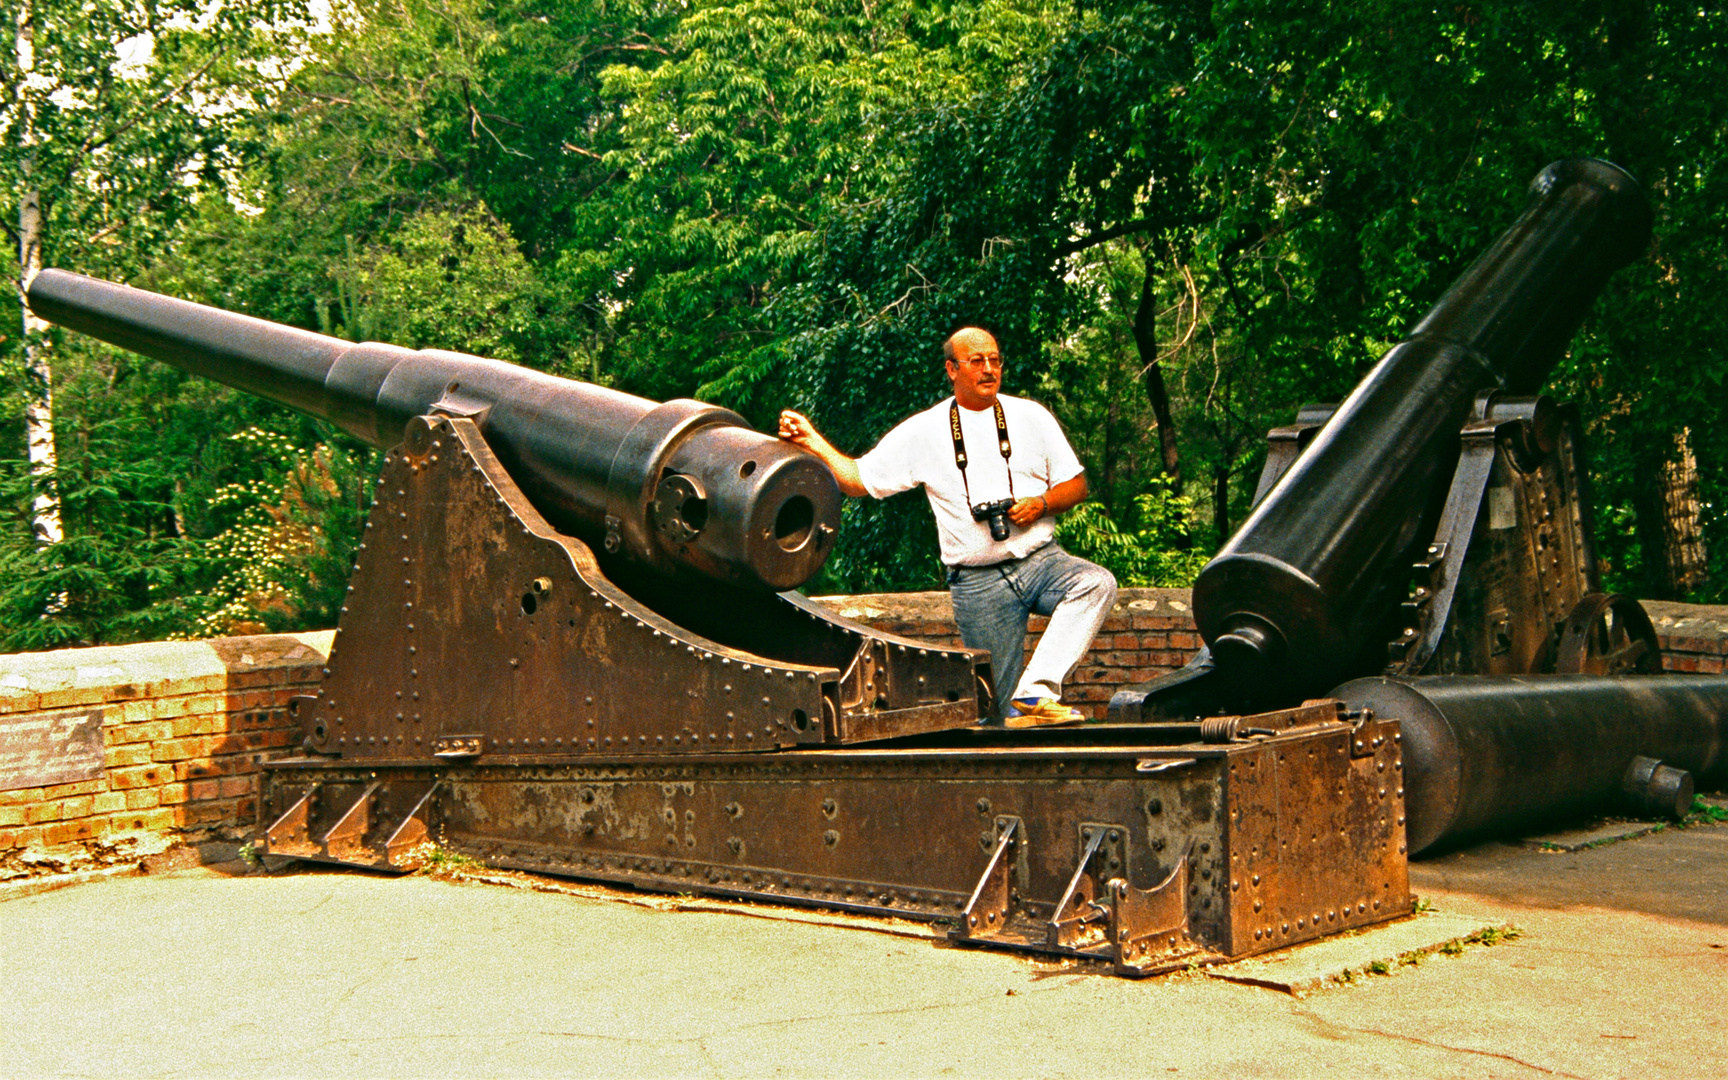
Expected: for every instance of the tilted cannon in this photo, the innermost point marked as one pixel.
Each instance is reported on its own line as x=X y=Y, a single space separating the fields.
x=1437 y=524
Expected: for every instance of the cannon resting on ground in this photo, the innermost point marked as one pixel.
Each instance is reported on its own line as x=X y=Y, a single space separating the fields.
x=563 y=649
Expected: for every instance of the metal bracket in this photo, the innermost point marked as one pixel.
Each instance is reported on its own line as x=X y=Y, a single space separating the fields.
x=290 y=833
x=1149 y=927
x=414 y=830
x=346 y=840
x=1079 y=917
x=994 y=897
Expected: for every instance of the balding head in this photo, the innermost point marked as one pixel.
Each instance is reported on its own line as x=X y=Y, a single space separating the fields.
x=971 y=338
x=974 y=367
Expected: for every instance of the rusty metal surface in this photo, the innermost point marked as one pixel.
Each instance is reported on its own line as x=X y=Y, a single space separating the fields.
x=1144 y=854
x=1608 y=634
x=473 y=629
x=1513 y=555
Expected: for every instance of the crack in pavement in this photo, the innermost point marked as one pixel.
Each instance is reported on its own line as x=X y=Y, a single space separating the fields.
x=1419 y=1041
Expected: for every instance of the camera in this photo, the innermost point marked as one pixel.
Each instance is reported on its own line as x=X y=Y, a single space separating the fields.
x=996 y=513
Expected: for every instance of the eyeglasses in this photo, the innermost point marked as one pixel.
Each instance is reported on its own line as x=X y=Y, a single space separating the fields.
x=979 y=363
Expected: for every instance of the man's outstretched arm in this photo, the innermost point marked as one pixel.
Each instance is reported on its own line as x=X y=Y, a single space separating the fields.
x=796 y=428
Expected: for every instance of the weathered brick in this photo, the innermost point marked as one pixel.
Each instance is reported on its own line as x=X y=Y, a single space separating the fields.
x=43 y=812
x=204 y=789
x=170 y=708
x=69 y=832
x=158 y=820
x=20 y=796
x=199 y=724
x=11 y=816
x=144 y=731
x=150 y=798
x=142 y=776
x=25 y=836
x=195 y=746
x=76 y=787
x=238 y=786
x=77 y=806
x=121 y=757
x=1085 y=692
x=206 y=813
x=110 y=801
x=70 y=696
x=210 y=768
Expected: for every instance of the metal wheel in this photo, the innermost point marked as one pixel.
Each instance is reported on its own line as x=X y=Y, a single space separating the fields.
x=1608 y=634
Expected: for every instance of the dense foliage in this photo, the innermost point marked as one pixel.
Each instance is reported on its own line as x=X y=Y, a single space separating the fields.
x=1182 y=220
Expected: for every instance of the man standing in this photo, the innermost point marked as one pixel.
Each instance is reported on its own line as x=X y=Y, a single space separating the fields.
x=997 y=470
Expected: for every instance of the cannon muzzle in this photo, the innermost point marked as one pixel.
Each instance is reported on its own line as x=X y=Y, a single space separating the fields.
x=680 y=486
x=1303 y=594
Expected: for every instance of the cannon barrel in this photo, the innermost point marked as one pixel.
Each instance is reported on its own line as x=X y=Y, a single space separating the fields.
x=1484 y=753
x=677 y=486
x=1301 y=595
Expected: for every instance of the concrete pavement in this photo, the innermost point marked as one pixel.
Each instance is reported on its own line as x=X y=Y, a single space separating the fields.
x=1619 y=971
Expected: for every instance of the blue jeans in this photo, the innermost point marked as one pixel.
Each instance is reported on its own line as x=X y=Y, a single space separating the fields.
x=992 y=605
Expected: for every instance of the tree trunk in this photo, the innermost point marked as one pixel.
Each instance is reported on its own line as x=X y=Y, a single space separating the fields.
x=1146 y=341
x=39 y=410
x=1684 y=559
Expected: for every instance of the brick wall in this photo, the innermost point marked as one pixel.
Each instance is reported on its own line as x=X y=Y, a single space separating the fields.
x=183 y=724
x=1151 y=632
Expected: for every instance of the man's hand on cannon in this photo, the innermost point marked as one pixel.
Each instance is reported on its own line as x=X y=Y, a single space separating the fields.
x=797 y=429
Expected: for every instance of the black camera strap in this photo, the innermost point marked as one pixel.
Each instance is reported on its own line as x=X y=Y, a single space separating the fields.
x=960 y=446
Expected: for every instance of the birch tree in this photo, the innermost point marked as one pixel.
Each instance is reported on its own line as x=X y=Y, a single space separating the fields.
x=113 y=117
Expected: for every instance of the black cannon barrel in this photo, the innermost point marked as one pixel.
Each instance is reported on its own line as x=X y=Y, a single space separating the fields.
x=678 y=486
x=1300 y=596
x=1489 y=753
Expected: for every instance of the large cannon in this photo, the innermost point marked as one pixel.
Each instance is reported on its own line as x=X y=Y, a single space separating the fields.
x=1298 y=597
x=1430 y=538
x=679 y=486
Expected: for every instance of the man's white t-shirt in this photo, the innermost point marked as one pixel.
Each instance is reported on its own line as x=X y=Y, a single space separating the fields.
x=920 y=451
